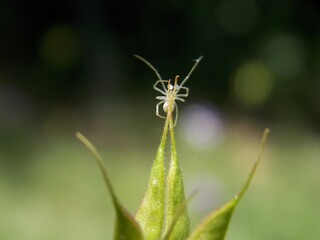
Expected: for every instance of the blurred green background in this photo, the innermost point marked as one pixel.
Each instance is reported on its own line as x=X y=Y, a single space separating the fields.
x=67 y=66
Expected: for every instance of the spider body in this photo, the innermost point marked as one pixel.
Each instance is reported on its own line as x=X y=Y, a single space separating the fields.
x=170 y=93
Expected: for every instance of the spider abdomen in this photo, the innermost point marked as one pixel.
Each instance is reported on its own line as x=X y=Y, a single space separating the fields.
x=166 y=106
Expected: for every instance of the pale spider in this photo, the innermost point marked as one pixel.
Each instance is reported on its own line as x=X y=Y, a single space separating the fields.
x=170 y=92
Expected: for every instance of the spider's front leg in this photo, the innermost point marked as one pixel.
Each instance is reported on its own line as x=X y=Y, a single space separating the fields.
x=157 y=107
x=164 y=91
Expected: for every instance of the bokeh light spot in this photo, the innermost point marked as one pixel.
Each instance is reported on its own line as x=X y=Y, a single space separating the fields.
x=253 y=84
x=202 y=126
x=60 y=47
x=285 y=55
x=209 y=192
x=237 y=17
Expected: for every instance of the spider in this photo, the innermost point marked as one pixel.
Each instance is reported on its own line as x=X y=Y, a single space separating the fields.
x=171 y=93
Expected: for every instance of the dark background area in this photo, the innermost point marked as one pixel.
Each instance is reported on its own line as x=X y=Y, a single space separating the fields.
x=64 y=53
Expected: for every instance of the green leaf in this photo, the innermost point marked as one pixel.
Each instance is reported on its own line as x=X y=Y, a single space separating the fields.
x=126 y=227
x=175 y=196
x=179 y=211
x=151 y=212
x=215 y=225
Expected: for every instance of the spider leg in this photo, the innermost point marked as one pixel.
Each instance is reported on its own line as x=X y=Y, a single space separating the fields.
x=161 y=97
x=177 y=113
x=150 y=66
x=179 y=99
x=192 y=69
x=163 y=86
x=183 y=94
x=157 y=109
